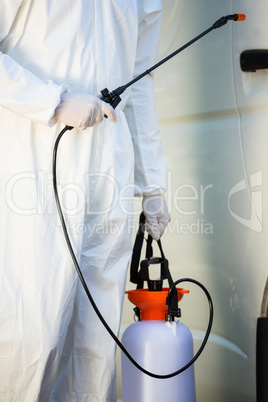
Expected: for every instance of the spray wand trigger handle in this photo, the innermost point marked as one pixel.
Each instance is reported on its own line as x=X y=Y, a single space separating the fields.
x=113 y=97
x=105 y=98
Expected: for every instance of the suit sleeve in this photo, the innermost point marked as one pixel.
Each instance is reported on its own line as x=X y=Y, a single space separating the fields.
x=21 y=91
x=150 y=170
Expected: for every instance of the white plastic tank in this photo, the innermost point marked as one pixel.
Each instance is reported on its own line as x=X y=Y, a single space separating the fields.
x=161 y=347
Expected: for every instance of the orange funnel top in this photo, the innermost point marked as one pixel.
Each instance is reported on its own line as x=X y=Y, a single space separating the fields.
x=152 y=305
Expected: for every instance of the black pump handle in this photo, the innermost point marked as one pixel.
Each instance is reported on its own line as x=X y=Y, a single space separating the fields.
x=139 y=276
x=134 y=266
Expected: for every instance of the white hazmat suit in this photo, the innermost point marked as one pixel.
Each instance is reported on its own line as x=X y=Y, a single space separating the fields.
x=52 y=345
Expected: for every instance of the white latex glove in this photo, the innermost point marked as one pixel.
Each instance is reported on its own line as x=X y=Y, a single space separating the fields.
x=156 y=214
x=81 y=110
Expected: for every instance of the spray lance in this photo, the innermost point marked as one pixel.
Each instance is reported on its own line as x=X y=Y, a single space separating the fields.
x=173 y=295
x=113 y=97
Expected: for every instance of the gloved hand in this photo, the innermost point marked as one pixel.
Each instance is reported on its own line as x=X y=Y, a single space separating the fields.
x=81 y=110
x=156 y=214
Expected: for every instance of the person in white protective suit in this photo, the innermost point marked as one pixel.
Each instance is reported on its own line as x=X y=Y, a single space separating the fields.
x=55 y=58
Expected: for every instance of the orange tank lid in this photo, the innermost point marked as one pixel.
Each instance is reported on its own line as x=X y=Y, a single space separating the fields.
x=152 y=305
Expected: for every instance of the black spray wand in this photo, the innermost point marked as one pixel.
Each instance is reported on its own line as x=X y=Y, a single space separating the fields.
x=113 y=97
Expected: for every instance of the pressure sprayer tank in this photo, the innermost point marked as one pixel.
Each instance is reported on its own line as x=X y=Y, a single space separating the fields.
x=159 y=346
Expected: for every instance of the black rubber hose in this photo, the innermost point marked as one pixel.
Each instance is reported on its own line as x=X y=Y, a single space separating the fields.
x=112 y=334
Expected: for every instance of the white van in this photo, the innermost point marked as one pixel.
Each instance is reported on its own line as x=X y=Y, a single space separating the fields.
x=212 y=103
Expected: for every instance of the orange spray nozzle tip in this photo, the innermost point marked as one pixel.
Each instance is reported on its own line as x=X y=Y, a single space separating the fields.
x=241 y=17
